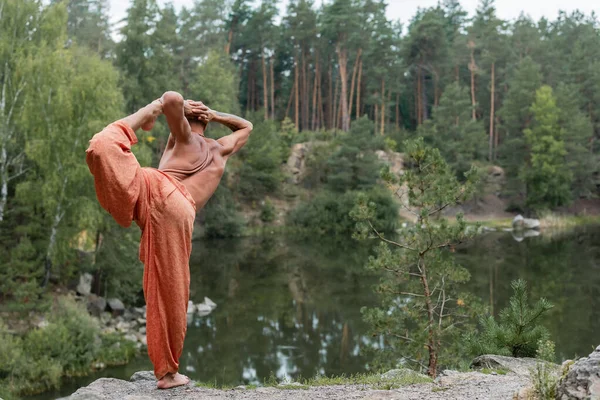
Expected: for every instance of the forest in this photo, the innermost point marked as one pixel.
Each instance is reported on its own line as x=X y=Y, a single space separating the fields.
x=521 y=95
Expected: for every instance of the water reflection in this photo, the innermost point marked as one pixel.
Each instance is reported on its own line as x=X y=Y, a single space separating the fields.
x=563 y=267
x=284 y=307
x=293 y=307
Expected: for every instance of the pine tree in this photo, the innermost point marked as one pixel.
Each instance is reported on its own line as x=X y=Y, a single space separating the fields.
x=548 y=181
x=518 y=334
x=460 y=139
x=421 y=307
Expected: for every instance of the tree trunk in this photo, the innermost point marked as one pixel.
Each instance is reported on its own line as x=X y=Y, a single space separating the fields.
x=314 y=94
x=354 y=72
x=296 y=96
x=376 y=117
x=265 y=87
x=358 y=110
x=287 y=110
x=419 y=102
x=382 y=124
x=472 y=68
x=4 y=180
x=330 y=101
x=229 y=41
x=388 y=115
x=424 y=114
x=398 y=111
x=436 y=90
x=431 y=336
x=343 y=62
x=496 y=138
x=58 y=216
x=272 y=87
x=335 y=103
x=321 y=118
x=493 y=86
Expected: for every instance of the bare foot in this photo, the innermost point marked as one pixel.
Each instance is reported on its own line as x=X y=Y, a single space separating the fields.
x=172 y=380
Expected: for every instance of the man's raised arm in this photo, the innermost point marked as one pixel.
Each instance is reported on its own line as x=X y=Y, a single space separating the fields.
x=241 y=131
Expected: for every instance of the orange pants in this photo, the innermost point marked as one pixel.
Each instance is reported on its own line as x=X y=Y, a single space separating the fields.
x=165 y=212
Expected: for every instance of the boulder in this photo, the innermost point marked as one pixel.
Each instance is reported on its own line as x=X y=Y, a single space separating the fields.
x=582 y=381
x=191 y=307
x=525 y=223
x=520 y=366
x=210 y=303
x=394 y=160
x=116 y=306
x=84 y=287
x=96 y=305
x=296 y=163
x=203 y=309
x=142 y=376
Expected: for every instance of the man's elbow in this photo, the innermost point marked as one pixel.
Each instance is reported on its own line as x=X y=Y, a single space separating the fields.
x=172 y=100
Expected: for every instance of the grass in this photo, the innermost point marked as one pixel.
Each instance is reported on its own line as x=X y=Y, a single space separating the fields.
x=375 y=381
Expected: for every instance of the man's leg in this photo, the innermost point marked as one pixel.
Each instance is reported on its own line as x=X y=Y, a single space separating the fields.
x=116 y=171
x=165 y=250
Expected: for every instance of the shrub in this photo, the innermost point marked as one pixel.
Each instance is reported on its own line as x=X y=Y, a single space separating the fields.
x=116 y=350
x=221 y=218
x=328 y=213
x=70 y=337
x=518 y=334
x=267 y=212
x=544 y=380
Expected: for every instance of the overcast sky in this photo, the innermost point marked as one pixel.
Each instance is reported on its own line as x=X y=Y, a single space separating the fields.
x=403 y=10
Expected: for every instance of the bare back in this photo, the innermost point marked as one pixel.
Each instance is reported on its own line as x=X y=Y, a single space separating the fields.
x=197 y=163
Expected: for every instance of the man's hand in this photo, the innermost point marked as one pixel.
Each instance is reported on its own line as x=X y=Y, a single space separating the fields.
x=156 y=110
x=196 y=110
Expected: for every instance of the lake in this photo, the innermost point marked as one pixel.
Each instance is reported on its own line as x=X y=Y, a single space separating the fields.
x=291 y=307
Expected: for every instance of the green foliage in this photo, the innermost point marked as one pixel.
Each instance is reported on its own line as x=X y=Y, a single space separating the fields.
x=66 y=346
x=329 y=213
x=221 y=218
x=216 y=83
x=544 y=380
x=548 y=181
x=418 y=271
x=461 y=139
x=115 y=350
x=267 y=211
x=518 y=333
x=259 y=171
x=545 y=351
x=69 y=338
x=117 y=268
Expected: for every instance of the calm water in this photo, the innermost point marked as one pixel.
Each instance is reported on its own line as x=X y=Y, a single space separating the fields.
x=293 y=307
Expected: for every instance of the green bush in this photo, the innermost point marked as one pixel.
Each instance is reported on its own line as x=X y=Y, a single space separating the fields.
x=259 y=173
x=267 y=212
x=221 y=218
x=37 y=374
x=328 y=213
x=518 y=334
x=115 y=350
x=70 y=337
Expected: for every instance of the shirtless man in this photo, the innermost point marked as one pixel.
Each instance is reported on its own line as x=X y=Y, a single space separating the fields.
x=163 y=203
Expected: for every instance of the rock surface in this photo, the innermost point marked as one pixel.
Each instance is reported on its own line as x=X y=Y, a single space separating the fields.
x=583 y=379
x=519 y=366
x=84 y=287
x=296 y=163
x=459 y=386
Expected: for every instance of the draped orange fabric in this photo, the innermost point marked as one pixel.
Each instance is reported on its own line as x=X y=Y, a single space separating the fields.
x=165 y=212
